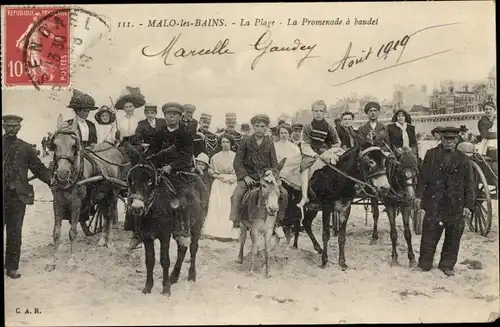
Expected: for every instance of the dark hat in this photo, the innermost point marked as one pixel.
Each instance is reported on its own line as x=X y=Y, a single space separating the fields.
x=488 y=104
x=450 y=131
x=12 y=120
x=151 y=107
x=80 y=100
x=347 y=113
x=132 y=95
x=463 y=128
x=370 y=105
x=407 y=116
x=436 y=130
x=190 y=107
x=261 y=118
x=297 y=126
x=112 y=116
x=172 y=107
x=245 y=127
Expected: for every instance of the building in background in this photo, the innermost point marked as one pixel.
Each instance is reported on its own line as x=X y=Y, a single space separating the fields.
x=406 y=96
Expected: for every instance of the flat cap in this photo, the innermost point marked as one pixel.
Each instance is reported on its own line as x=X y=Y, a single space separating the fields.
x=12 y=120
x=260 y=118
x=297 y=126
x=172 y=107
x=450 y=131
x=436 y=130
x=150 y=107
x=245 y=127
x=190 y=107
x=205 y=116
x=318 y=103
x=371 y=104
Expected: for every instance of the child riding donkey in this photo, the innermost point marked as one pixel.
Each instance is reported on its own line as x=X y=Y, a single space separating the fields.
x=319 y=139
x=254 y=155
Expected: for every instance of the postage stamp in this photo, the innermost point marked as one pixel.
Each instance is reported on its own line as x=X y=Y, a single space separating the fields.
x=36 y=46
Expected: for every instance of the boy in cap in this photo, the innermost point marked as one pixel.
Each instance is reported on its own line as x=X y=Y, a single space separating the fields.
x=297 y=134
x=446 y=190
x=231 y=130
x=317 y=137
x=18 y=157
x=148 y=128
x=255 y=154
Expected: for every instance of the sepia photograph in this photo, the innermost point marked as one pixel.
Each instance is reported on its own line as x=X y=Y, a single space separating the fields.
x=250 y=163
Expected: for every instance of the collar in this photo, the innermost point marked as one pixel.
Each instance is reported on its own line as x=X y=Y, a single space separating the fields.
x=80 y=120
x=130 y=116
x=170 y=129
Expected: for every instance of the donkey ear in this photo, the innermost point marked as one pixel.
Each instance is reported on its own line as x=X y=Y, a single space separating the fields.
x=281 y=164
x=60 y=121
x=74 y=125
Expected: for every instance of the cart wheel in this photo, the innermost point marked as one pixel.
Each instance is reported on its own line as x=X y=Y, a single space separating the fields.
x=417 y=218
x=482 y=213
x=94 y=224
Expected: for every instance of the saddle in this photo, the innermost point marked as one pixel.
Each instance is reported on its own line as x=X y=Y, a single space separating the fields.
x=249 y=202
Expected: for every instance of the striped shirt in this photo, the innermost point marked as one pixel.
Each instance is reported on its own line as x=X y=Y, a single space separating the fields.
x=318 y=134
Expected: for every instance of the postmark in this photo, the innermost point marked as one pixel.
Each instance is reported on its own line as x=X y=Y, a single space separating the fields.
x=54 y=46
x=37 y=46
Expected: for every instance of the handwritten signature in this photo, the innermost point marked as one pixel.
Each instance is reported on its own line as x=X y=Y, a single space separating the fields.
x=264 y=44
x=220 y=48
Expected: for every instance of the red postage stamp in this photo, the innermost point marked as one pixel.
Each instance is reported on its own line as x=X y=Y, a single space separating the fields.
x=36 y=46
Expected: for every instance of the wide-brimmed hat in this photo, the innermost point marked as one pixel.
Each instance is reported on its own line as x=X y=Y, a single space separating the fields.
x=404 y=112
x=371 y=104
x=80 y=100
x=98 y=114
x=132 y=95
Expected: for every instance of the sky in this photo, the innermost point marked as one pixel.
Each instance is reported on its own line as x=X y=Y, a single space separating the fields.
x=218 y=84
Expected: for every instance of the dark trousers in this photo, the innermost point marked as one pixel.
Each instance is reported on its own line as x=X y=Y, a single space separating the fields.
x=238 y=193
x=13 y=221
x=453 y=227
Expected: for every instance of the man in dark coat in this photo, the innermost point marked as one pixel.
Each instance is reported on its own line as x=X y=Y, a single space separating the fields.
x=82 y=104
x=146 y=130
x=231 y=130
x=187 y=118
x=18 y=157
x=209 y=139
x=446 y=190
x=346 y=139
x=255 y=154
x=373 y=130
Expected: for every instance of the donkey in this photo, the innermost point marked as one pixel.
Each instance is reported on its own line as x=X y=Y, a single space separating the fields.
x=333 y=189
x=73 y=166
x=157 y=208
x=402 y=173
x=260 y=206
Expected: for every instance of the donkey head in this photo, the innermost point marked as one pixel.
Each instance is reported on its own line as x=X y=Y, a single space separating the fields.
x=142 y=181
x=270 y=183
x=405 y=170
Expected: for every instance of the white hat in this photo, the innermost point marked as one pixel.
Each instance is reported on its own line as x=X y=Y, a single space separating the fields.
x=203 y=158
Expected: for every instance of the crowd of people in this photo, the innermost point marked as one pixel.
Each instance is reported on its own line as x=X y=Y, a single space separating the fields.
x=230 y=161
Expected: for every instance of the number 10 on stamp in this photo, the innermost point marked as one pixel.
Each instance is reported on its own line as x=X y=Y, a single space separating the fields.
x=36 y=46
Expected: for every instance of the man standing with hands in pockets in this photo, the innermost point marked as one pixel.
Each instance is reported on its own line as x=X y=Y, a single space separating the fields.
x=446 y=190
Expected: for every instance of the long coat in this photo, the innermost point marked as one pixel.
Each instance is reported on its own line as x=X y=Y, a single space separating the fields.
x=251 y=159
x=379 y=133
x=395 y=136
x=19 y=157
x=145 y=133
x=345 y=140
x=92 y=132
x=437 y=181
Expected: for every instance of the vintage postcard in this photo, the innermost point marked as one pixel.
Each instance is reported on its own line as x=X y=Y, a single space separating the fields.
x=265 y=163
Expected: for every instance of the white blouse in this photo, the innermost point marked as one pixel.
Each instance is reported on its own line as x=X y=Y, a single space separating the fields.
x=127 y=124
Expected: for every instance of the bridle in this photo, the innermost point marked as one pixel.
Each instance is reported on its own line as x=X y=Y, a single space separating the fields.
x=156 y=181
x=271 y=179
x=75 y=160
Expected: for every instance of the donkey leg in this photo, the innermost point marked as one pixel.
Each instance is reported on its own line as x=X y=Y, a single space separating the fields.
x=296 y=230
x=165 y=262
x=376 y=214
x=308 y=219
x=326 y=236
x=391 y=213
x=406 y=211
x=149 y=248
x=181 y=255
x=344 y=211
x=243 y=239
x=193 y=250
x=267 y=244
x=75 y=216
x=56 y=235
x=254 y=236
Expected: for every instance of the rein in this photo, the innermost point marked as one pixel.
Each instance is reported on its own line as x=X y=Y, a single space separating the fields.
x=106 y=161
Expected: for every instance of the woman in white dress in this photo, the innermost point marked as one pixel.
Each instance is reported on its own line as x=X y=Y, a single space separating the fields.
x=106 y=128
x=289 y=150
x=217 y=224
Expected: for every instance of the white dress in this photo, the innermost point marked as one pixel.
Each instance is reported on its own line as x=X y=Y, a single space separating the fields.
x=291 y=170
x=217 y=223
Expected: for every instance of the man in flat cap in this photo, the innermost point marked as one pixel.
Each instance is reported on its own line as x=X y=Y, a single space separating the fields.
x=146 y=129
x=373 y=130
x=231 y=130
x=255 y=154
x=187 y=118
x=210 y=139
x=344 y=130
x=176 y=156
x=18 y=157
x=318 y=137
x=82 y=104
x=446 y=189
x=297 y=134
